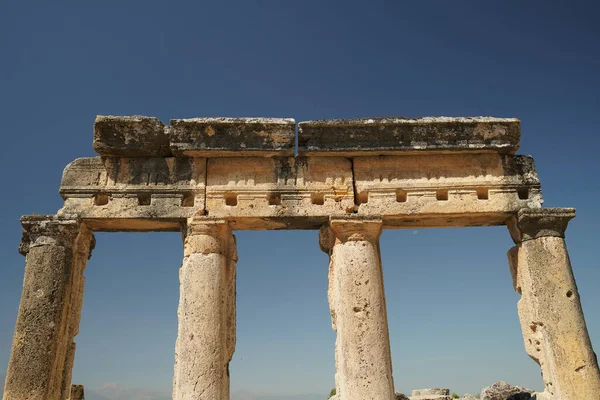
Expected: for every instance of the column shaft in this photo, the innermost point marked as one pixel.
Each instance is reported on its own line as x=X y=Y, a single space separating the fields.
x=53 y=248
x=357 y=303
x=552 y=321
x=206 y=335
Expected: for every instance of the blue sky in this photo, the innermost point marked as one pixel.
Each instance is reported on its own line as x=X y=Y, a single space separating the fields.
x=452 y=310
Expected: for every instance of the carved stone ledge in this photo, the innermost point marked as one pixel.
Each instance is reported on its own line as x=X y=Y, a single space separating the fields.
x=349 y=230
x=209 y=235
x=530 y=223
x=48 y=230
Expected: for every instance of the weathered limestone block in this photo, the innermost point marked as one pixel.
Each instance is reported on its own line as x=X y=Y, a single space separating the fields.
x=125 y=193
x=215 y=137
x=395 y=135
x=552 y=322
x=56 y=250
x=446 y=189
x=358 y=311
x=77 y=392
x=206 y=314
x=431 y=394
x=257 y=188
x=134 y=136
x=504 y=391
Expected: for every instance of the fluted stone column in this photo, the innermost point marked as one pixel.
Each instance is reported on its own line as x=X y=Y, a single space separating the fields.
x=358 y=311
x=56 y=250
x=552 y=322
x=206 y=336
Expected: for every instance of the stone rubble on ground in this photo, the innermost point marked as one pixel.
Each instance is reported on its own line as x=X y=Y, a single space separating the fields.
x=431 y=394
x=504 y=391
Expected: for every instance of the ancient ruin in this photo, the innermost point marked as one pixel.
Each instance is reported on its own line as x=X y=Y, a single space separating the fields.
x=208 y=177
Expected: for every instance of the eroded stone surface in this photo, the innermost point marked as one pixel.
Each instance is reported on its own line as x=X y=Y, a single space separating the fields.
x=552 y=322
x=427 y=172
x=431 y=394
x=504 y=391
x=125 y=193
x=56 y=250
x=279 y=188
x=212 y=137
x=77 y=392
x=135 y=136
x=439 y=186
x=206 y=313
x=358 y=311
x=401 y=135
x=529 y=224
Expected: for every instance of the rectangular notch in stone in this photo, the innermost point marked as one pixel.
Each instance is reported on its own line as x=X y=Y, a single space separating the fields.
x=134 y=136
x=214 y=137
x=134 y=193
x=446 y=184
x=397 y=135
x=247 y=188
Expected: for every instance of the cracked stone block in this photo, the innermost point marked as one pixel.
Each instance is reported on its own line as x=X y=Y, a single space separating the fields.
x=394 y=135
x=135 y=136
x=214 y=137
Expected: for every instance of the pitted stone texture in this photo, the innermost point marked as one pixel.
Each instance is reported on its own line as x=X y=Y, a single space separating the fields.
x=251 y=189
x=552 y=322
x=214 y=137
x=358 y=311
x=469 y=396
x=48 y=230
x=135 y=136
x=56 y=251
x=394 y=135
x=125 y=193
x=480 y=189
x=530 y=224
x=431 y=394
x=77 y=392
x=206 y=313
x=503 y=391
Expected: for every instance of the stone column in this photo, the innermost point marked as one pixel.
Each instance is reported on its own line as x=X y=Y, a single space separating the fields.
x=554 y=330
x=206 y=336
x=77 y=392
x=358 y=311
x=56 y=250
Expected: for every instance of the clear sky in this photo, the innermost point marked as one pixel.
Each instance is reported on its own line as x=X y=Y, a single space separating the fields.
x=452 y=309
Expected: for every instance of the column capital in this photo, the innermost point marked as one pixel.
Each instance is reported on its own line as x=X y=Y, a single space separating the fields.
x=348 y=230
x=51 y=230
x=209 y=235
x=533 y=223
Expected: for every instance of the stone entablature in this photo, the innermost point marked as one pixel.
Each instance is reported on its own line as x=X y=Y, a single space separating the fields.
x=208 y=177
x=467 y=176
x=394 y=135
